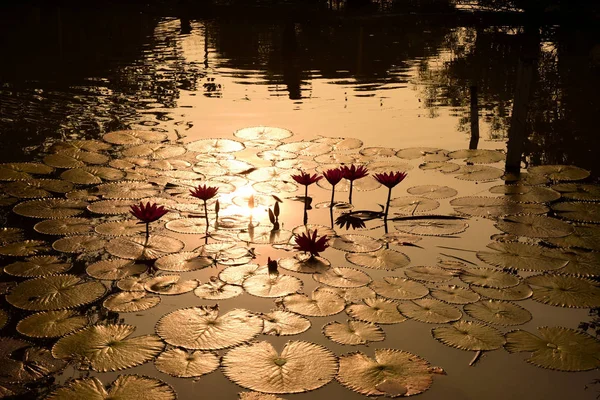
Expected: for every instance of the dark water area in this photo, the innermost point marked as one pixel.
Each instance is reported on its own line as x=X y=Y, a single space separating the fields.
x=387 y=84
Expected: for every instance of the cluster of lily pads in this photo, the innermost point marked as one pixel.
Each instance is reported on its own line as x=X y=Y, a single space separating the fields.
x=214 y=205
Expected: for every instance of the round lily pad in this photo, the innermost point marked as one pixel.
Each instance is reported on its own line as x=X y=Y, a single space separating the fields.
x=79 y=244
x=108 y=347
x=201 y=328
x=125 y=387
x=306 y=265
x=55 y=292
x=393 y=373
x=37 y=188
x=429 y=274
x=320 y=304
x=300 y=367
x=583 y=236
x=30 y=364
x=132 y=284
x=24 y=248
x=88 y=145
x=444 y=167
x=50 y=208
x=478 y=156
x=431 y=227
x=187 y=225
x=526 y=194
x=411 y=153
x=454 y=294
x=556 y=348
x=564 y=291
x=522 y=256
x=284 y=323
x=138 y=248
x=536 y=226
x=351 y=295
x=430 y=311
x=520 y=292
x=342 y=277
x=133 y=137
x=578 y=211
x=413 y=205
x=432 y=191
x=272 y=285
x=130 y=302
x=498 y=312
x=92 y=175
x=578 y=191
x=479 y=173
x=353 y=332
x=186 y=364
x=131 y=190
x=383 y=259
x=126 y=227
x=215 y=146
x=557 y=173
x=236 y=275
x=37 y=266
x=22 y=171
x=376 y=311
x=341 y=143
x=396 y=288
x=468 y=335
x=217 y=290
x=493 y=207
x=488 y=277
x=64 y=226
x=183 y=261
x=49 y=324
x=355 y=243
x=170 y=285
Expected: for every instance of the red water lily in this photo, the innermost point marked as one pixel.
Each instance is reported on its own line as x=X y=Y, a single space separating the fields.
x=353 y=173
x=306 y=179
x=333 y=176
x=148 y=213
x=310 y=244
x=204 y=192
x=390 y=179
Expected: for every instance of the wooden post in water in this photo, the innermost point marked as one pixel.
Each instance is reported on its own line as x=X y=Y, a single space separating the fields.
x=474 y=119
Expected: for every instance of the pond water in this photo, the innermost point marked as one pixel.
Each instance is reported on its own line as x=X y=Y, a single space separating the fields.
x=242 y=102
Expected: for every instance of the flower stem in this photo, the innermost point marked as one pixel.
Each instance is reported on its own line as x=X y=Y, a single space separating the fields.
x=147 y=230
x=387 y=205
x=206 y=214
x=350 y=193
x=332 y=196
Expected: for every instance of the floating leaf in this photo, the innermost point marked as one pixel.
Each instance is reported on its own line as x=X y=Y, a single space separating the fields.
x=127 y=190
x=383 y=259
x=454 y=294
x=526 y=194
x=582 y=263
x=170 y=285
x=22 y=171
x=479 y=173
x=413 y=205
x=564 y=291
x=309 y=229
x=79 y=244
x=377 y=152
x=111 y=207
x=341 y=143
x=36 y=188
x=139 y=248
x=215 y=146
x=430 y=310
x=50 y=208
x=107 y=347
x=37 y=266
x=515 y=293
x=32 y=364
x=217 y=290
x=584 y=236
x=24 y=248
x=353 y=332
x=201 y=328
x=300 y=367
x=392 y=373
x=343 y=277
x=522 y=256
x=269 y=285
x=237 y=274
x=429 y=274
x=10 y=235
x=64 y=226
x=412 y=153
x=444 y=167
x=154 y=151
x=468 y=335
x=306 y=265
x=320 y=304
x=125 y=387
x=355 y=243
x=377 y=311
x=55 y=292
x=478 y=156
x=493 y=207
x=578 y=191
x=92 y=175
x=488 y=277
x=186 y=364
x=130 y=302
x=432 y=191
x=265 y=235
x=133 y=137
x=284 y=323
x=50 y=324
x=88 y=145
x=127 y=227
x=132 y=284
x=396 y=288
x=498 y=312
x=431 y=227
x=306 y=148
x=184 y=261
x=557 y=348
x=187 y=225
x=581 y=212
x=559 y=172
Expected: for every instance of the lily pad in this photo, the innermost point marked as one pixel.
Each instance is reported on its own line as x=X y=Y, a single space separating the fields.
x=468 y=335
x=271 y=286
x=493 y=207
x=526 y=194
x=125 y=387
x=411 y=153
x=32 y=364
x=564 y=291
x=284 y=323
x=478 y=156
x=488 y=277
x=187 y=225
x=130 y=302
x=37 y=188
x=432 y=191
x=444 y=167
x=24 y=248
x=306 y=265
x=170 y=285
x=133 y=137
x=454 y=294
x=300 y=367
x=236 y=275
x=64 y=226
x=376 y=311
x=201 y=328
x=342 y=277
x=578 y=191
x=320 y=304
x=10 y=235
x=355 y=243
x=215 y=146
x=479 y=173
x=522 y=256
x=583 y=236
x=431 y=227
x=580 y=212
x=520 y=292
x=183 y=261
x=498 y=312
x=50 y=208
x=88 y=145
x=50 y=324
x=131 y=190
x=429 y=274
x=265 y=235
x=106 y=348
x=54 y=292
x=382 y=259
x=37 y=266
x=353 y=332
x=186 y=364
x=430 y=311
x=393 y=373
x=556 y=348
x=132 y=284
x=351 y=295
x=138 y=248
x=396 y=288
x=217 y=290
x=79 y=244
x=92 y=175
x=22 y=171
x=413 y=205
x=557 y=173
x=127 y=227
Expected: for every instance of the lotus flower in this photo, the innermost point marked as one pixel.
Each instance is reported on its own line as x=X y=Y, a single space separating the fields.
x=148 y=213
x=389 y=180
x=205 y=193
x=310 y=244
x=333 y=176
x=353 y=173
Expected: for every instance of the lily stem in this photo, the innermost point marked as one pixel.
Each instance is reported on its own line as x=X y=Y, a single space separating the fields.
x=387 y=205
